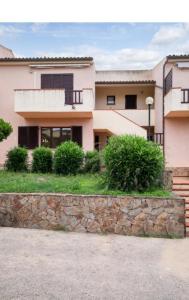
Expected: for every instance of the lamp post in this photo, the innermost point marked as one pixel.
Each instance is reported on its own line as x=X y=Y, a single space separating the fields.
x=149 y=102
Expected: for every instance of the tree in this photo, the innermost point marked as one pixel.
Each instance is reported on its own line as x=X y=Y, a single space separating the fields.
x=5 y=130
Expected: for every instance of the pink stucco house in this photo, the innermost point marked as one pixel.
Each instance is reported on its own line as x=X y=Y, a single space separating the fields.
x=50 y=100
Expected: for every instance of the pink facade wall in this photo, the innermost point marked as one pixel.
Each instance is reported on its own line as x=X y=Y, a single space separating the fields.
x=24 y=77
x=177 y=142
x=157 y=74
x=177 y=128
x=180 y=77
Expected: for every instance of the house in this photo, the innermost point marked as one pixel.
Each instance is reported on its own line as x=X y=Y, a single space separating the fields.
x=50 y=100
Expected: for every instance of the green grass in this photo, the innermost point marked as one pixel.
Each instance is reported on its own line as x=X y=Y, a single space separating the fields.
x=50 y=183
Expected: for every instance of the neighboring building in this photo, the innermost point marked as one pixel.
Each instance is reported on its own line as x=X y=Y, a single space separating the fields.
x=5 y=52
x=50 y=100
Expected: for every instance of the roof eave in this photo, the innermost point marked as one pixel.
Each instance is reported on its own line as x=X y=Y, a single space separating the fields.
x=152 y=82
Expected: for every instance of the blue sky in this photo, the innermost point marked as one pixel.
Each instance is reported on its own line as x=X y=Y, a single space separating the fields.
x=113 y=45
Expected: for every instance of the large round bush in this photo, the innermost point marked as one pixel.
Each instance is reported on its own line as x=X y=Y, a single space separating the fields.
x=92 y=162
x=42 y=160
x=132 y=163
x=68 y=158
x=17 y=159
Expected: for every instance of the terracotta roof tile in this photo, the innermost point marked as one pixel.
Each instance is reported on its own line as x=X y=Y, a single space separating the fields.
x=175 y=56
x=127 y=82
x=36 y=59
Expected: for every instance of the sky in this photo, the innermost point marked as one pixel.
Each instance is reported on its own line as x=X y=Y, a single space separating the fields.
x=112 y=45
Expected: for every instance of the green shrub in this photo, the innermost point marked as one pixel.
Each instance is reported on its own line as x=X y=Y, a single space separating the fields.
x=132 y=163
x=92 y=162
x=17 y=159
x=5 y=130
x=68 y=158
x=42 y=160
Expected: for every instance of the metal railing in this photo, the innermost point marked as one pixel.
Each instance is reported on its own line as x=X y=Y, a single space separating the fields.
x=73 y=97
x=156 y=138
x=185 y=98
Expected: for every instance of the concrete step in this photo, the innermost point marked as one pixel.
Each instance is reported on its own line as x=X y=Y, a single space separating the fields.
x=182 y=193
x=187 y=224
x=181 y=189
x=184 y=187
x=181 y=185
x=187 y=231
x=180 y=178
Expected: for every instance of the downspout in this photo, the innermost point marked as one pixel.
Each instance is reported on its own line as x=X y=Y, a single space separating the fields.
x=163 y=110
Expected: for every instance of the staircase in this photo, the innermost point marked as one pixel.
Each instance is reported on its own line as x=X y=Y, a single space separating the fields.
x=115 y=123
x=181 y=188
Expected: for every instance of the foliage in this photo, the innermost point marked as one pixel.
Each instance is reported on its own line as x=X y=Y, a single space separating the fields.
x=42 y=160
x=132 y=163
x=17 y=159
x=92 y=162
x=83 y=184
x=68 y=158
x=5 y=130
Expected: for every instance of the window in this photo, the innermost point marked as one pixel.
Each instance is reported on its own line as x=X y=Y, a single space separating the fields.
x=28 y=136
x=110 y=100
x=168 y=82
x=54 y=136
x=131 y=102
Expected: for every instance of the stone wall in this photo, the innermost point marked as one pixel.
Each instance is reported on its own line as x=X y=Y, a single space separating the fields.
x=168 y=179
x=122 y=215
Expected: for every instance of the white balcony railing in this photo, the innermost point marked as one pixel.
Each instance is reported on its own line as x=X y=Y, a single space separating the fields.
x=53 y=101
x=176 y=103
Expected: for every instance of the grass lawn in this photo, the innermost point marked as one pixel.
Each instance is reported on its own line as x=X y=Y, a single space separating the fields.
x=51 y=183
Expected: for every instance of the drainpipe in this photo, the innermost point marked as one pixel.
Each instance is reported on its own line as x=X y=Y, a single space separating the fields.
x=163 y=110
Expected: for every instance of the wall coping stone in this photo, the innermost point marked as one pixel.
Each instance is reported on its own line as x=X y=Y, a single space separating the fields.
x=172 y=197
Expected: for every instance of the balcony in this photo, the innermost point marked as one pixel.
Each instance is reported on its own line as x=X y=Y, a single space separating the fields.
x=177 y=103
x=54 y=103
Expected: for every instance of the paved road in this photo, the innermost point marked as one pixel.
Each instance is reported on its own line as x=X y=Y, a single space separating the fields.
x=39 y=264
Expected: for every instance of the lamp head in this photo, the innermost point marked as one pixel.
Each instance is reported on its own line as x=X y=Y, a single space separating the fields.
x=149 y=101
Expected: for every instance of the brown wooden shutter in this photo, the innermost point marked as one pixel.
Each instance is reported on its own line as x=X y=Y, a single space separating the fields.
x=77 y=135
x=57 y=81
x=28 y=136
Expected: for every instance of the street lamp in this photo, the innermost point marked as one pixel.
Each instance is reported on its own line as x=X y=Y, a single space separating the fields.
x=149 y=102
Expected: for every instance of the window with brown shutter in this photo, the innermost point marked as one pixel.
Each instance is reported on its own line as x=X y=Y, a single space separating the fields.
x=28 y=136
x=57 y=81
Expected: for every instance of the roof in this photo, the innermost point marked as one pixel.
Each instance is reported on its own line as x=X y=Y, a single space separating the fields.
x=45 y=59
x=175 y=56
x=127 y=82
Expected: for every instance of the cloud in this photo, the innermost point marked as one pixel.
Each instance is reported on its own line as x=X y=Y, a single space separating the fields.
x=125 y=58
x=170 y=34
x=10 y=30
x=167 y=39
x=38 y=27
